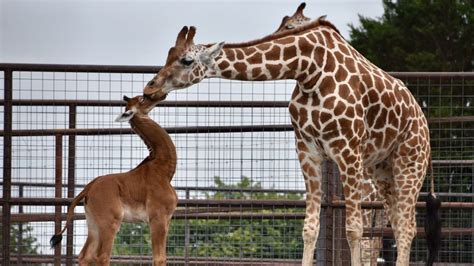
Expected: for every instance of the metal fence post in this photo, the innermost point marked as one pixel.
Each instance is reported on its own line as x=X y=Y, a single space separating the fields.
x=7 y=164
x=58 y=193
x=71 y=182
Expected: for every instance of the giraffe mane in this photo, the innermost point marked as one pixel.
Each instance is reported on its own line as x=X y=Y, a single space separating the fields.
x=314 y=24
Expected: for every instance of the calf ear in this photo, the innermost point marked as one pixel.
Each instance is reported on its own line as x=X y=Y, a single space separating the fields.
x=125 y=116
x=126 y=98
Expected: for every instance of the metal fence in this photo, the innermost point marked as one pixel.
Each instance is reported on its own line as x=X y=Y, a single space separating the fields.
x=239 y=183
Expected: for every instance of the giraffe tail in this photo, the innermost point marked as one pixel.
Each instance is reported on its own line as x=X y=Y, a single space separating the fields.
x=432 y=222
x=56 y=239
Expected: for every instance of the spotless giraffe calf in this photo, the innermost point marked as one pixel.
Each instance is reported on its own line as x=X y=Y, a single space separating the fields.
x=141 y=194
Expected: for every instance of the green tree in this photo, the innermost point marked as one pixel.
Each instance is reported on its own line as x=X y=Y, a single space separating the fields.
x=21 y=240
x=419 y=35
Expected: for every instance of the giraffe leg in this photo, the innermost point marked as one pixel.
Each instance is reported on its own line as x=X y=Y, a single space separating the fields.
x=311 y=165
x=408 y=178
x=89 y=251
x=107 y=234
x=159 y=231
x=351 y=172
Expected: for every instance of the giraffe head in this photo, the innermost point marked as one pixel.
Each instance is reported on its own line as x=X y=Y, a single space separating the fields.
x=137 y=105
x=296 y=20
x=187 y=64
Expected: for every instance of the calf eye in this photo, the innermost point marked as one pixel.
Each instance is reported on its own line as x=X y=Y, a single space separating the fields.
x=186 y=62
x=151 y=83
x=289 y=26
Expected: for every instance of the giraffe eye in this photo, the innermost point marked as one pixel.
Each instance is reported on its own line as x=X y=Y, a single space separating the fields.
x=290 y=26
x=186 y=62
x=151 y=83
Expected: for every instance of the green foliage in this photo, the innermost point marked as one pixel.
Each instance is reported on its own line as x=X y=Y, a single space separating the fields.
x=21 y=240
x=419 y=35
x=264 y=238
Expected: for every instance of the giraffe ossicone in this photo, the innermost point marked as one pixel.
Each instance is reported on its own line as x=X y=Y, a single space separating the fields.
x=344 y=108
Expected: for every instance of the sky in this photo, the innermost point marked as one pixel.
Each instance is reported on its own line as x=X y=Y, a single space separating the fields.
x=140 y=32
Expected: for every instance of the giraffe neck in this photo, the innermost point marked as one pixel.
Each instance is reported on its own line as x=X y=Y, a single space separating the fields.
x=266 y=61
x=161 y=147
x=302 y=57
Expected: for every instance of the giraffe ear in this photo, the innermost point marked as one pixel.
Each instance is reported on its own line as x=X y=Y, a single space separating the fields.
x=211 y=53
x=125 y=116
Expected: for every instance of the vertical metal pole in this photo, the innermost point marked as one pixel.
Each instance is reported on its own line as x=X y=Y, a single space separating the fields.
x=19 y=243
x=329 y=213
x=7 y=165
x=71 y=182
x=186 y=232
x=58 y=194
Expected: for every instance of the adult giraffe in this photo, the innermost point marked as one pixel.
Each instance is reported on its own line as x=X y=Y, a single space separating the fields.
x=370 y=246
x=345 y=109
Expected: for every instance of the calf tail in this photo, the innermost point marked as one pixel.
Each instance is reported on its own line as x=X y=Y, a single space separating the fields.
x=54 y=241
x=432 y=222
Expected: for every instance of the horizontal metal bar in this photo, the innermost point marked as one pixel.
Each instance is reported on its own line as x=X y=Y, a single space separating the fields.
x=102 y=103
x=143 y=259
x=271 y=190
x=79 y=68
x=170 y=130
x=155 y=69
x=239 y=202
x=185 y=130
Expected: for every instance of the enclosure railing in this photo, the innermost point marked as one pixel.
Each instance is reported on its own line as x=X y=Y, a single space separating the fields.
x=220 y=208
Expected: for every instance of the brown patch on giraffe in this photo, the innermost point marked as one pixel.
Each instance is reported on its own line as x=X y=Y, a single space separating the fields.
x=239 y=54
x=372 y=114
x=312 y=82
x=256 y=71
x=241 y=76
x=341 y=74
x=285 y=41
x=350 y=112
x=311 y=37
x=339 y=57
x=255 y=59
x=329 y=40
x=274 y=69
x=330 y=131
x=324 y=117
x=227 y=74
x=345 y=124
x=343 y=49
x=293 y=64
x=329 y=103
x=305 y=47
x=350 y=64
x=230 y=53
x=319 y=56
x=387 y=99
x=240 y=67
x=340 y=108
x=293 y=112
x=373 y=96
x=274 y=53
x=302 y=147
x=344 y=91
x=320 y=38
x=223 y=65
x=367 y=79
x=390 y=135
x=312 y=67
x=330 y=65
x=314 y=186
x=289 y=52
x=304 y=65
x=303 y=100
x=338 y=144
x=327 y=86
x=303 y=115
x=263 y=46
x=249 y=50
x=315 y=118
x=382 y=119
x=351 y=181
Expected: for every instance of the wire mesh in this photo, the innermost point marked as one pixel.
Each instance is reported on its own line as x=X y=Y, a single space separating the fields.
x=252 y=174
